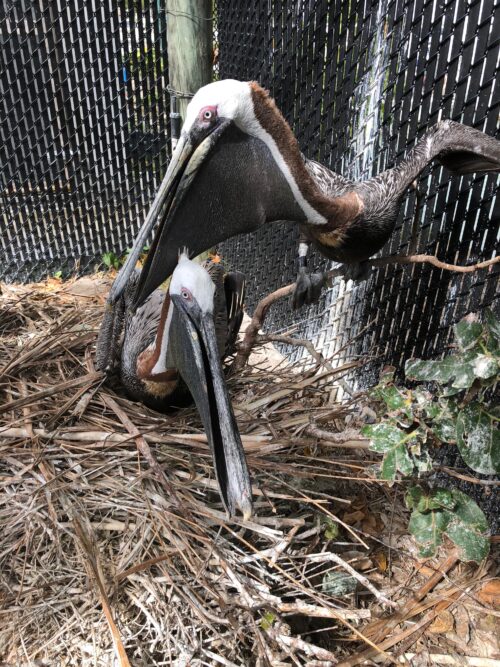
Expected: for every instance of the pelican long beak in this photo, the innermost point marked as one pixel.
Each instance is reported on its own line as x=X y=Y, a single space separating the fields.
x=194 y=352
x=189 y=155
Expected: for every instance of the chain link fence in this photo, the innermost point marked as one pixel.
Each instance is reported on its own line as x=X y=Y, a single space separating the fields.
x=84 y=130
x=359 y=82
x=85 y=141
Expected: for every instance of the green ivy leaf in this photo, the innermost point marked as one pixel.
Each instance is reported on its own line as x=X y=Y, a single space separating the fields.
x=441 y=419
x=467 y=528
x=464 y=374
x=392 y=442
x=428 y=529
x=432 y=410
x=397 y=459
x=422 y=461
x=392 y=397
x=438 y=371
x=445 y=430
x=438 y=498
x=472 y=546
x=383 y=436
x=493 y=324
x=106 y=259
x=467 y=334
x=110 y=260
x=485 y=366
x=459 y=369
x=331 y=528
x=441 y=498
x=413 y=496
x=451 y=512
x=338 y=584
x=466 y=511
x=478 y=439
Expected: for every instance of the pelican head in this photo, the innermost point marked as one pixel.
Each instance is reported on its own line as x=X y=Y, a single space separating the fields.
x=187 y=342
x=239 y=162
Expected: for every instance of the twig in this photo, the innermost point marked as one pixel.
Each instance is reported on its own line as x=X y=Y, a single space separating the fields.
x=430 y=259
x=330 y=556
x=367 y=654
x=297 y=644
x=255 y=324
x=299 y=385
x=314 y=611
x=302 y=342
x=50 y=391
x=263 y=306
x=16 y=432
x=440 y=572
x=382 y=628
x=94 y=571
x=350 y=438
x=468 y=478
x=142 y=446
x=460 y=661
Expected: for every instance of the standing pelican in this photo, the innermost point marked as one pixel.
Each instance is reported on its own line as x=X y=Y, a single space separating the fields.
x=177 y=340
x=237 y=166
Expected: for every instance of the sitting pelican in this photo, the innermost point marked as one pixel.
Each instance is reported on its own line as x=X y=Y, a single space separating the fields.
x=238 y=166
x=175 y=342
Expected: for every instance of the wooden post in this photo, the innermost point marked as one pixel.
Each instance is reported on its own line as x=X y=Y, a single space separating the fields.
x=189 y=46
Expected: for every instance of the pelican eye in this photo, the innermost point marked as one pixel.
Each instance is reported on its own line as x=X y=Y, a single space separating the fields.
x=208 y=114
x=186 y=294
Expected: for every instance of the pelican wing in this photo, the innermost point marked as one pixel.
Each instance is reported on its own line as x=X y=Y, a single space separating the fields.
x=228 y=305
x=465 y=150
x=235 y=289
x=110 y=337
x=459 y=148
x=330 y=183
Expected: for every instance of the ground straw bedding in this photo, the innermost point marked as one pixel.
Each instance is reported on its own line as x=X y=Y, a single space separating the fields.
x=114 y=546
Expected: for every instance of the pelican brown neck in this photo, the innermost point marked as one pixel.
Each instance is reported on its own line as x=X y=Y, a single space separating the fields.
x=317 y=207
x=151 y=363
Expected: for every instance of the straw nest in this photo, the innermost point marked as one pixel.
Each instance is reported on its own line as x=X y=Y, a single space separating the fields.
x=115 y=549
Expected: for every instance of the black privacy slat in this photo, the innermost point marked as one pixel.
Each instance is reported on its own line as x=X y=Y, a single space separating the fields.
x=84 y=143
x=336 y=70
x=84 y=129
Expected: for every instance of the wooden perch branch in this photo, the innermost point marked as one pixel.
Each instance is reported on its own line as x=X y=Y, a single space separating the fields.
x=255 y=324
x=430 y=259
x=263 y=306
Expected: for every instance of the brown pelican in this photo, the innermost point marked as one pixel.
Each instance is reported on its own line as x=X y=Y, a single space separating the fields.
x=238 y=166
x=176 y=340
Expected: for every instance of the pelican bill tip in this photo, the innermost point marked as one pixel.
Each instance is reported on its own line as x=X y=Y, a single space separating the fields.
x=246 y=509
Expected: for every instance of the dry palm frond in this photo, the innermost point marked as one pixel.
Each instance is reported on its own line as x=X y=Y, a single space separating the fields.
x=115 y=548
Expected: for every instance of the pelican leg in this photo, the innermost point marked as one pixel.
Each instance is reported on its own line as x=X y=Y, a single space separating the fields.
x=308 y=285
x=358 y=272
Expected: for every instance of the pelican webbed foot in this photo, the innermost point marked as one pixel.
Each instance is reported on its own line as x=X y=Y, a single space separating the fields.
x=308 y=287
